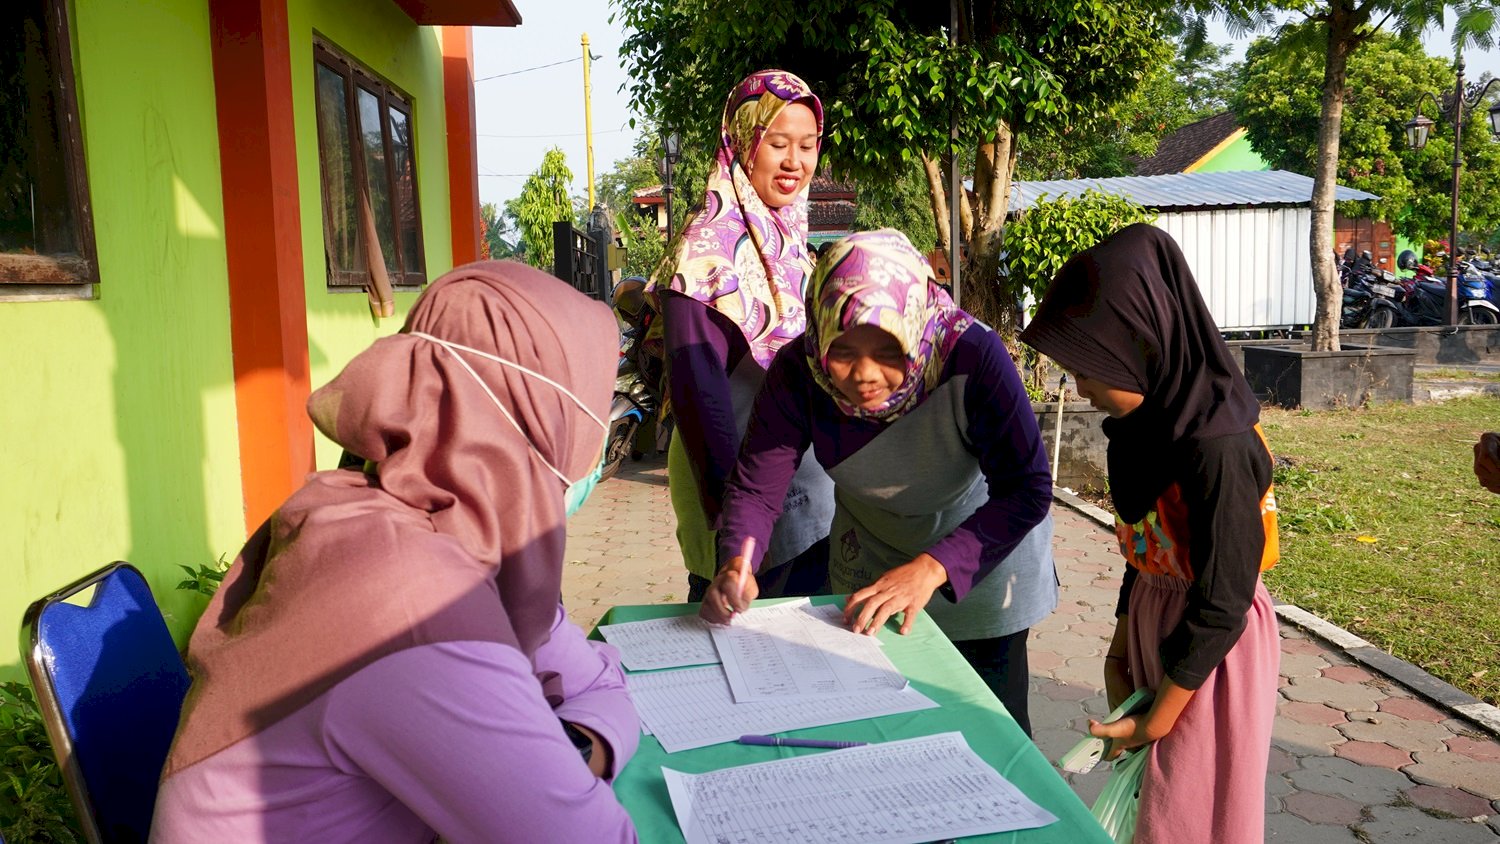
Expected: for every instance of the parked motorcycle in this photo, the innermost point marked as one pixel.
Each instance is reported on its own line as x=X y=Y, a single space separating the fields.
x=1424 y=299
x=1370 y=294
x=633 y=415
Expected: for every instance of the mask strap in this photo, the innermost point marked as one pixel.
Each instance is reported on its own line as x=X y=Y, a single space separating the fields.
x=513 y=365
x=449 y=347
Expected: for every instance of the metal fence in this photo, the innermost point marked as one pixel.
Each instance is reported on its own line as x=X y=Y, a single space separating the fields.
x=580 y=258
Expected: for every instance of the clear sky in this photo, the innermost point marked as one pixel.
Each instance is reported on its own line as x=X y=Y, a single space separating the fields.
x=520 y=116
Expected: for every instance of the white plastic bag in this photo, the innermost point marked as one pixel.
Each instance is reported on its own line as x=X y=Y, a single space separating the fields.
x=1118 y=802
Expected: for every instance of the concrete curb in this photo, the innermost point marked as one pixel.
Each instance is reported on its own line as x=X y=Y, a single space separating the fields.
x=1455 y=700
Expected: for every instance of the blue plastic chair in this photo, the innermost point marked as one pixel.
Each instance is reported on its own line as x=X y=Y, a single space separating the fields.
x=110 y=684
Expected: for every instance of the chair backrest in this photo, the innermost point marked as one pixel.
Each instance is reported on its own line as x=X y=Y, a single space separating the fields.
x=110 y=684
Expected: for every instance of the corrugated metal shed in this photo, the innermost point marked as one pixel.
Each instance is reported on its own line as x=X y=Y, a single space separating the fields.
x=1244 y=234
x=1188 y=190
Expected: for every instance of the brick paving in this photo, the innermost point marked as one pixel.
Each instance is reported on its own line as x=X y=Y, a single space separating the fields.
x=1355 y=757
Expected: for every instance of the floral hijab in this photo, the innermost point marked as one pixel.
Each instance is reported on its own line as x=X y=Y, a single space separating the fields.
x=878 y=278
x=739 y=257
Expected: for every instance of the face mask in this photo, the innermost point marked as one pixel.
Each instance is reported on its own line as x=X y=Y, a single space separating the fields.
x=577 y=491
x=580 y=490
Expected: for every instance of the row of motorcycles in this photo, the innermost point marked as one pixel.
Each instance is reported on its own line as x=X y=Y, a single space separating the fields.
x=1375 y=297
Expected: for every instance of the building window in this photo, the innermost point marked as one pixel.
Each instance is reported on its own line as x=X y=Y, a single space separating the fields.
x=46 y=230
x=366 y=159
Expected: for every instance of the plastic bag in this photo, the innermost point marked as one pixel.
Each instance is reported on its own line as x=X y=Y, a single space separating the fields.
x=1121 y=798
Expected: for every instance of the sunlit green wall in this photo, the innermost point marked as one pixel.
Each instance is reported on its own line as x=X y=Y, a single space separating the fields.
x=118 y=416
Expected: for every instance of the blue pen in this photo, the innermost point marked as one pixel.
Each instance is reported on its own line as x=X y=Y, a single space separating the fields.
x=773 y=741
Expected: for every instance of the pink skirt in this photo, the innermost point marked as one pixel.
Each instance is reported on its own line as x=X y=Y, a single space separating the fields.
x=1206 y=779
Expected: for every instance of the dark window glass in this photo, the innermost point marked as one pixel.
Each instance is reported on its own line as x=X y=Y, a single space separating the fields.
x=46 y=233
x=365 y=150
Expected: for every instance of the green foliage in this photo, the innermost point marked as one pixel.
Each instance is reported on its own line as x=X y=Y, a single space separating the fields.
x=890 y=80
x=1054 y=230
x=495 y=230
x=644 y=242
x=1192 y=86
x=205 y=580
x=543 y=201
x=1387 y=75
x=904 y=205
x=34 y=806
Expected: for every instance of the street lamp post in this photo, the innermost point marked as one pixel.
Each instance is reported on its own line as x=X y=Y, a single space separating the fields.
x=671 y=144
x=1417 y=130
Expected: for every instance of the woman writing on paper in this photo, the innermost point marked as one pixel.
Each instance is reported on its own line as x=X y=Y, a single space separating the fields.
x=387 y=659
x=730 y=298
x=1190 y=476
x=941 y=483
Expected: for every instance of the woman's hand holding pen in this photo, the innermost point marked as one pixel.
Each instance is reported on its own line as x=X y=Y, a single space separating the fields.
x=905 y=589
x=733 y=588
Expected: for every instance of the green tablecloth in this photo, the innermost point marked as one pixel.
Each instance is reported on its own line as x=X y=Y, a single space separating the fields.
x=937 y=670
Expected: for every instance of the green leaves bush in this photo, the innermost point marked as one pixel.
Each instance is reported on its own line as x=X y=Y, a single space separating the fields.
x=1054 y=230
x=34 y=806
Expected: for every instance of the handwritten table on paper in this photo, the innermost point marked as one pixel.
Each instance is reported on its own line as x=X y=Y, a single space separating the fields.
x=798 y=651
x=693 y=707
x=901 y=792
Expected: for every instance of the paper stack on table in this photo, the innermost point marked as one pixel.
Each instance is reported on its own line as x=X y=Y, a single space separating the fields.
x=693 y=707
x=900 y=792
x=785 y=667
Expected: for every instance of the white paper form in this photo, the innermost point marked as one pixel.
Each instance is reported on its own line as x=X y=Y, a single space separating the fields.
x=692 y=707
x=799 y=651
x=900 y=792
x=662 y=642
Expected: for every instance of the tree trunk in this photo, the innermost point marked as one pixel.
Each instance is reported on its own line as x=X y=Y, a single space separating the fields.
x=1341 y=42
x=983 y=295
x=938 y=195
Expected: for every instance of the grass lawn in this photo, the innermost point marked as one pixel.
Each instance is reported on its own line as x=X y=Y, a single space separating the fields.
x=1385 y=532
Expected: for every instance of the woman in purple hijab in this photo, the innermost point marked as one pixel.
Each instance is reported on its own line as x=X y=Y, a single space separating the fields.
x=730 y=297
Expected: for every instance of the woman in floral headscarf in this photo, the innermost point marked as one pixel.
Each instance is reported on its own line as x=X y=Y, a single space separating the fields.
x=918 y=414
x=732 y=299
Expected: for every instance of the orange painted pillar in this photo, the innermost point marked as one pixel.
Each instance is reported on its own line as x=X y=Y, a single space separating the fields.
x=463 y=150
x=263 y=244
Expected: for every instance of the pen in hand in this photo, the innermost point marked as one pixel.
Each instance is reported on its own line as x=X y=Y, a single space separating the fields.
x=774 y=741
x=747 y=551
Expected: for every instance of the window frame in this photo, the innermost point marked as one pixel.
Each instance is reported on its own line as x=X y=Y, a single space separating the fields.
x=56 y=279
x=358 y=77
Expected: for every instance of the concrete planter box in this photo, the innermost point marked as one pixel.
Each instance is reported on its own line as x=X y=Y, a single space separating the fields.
x=1438 y=345
x=1082 y=463
x=1296 y=376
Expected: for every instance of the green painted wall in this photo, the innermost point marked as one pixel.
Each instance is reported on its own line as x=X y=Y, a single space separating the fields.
x=1236 y=156
x=118 y=414
x=382 y=38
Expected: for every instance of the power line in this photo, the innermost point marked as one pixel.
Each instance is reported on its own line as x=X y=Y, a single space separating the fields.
x=538 y=67
x=557 y=134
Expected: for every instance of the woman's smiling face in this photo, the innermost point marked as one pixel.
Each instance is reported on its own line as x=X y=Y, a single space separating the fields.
x=786 y=158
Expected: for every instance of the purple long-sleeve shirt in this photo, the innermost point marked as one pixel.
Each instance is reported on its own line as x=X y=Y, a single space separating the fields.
x=792 y=411
x=453 y=739
x=702 y=348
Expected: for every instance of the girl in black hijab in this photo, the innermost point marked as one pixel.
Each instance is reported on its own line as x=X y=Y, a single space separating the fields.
x=1190 y=476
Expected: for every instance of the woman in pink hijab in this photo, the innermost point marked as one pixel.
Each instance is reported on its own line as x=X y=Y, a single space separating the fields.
x=387 y=660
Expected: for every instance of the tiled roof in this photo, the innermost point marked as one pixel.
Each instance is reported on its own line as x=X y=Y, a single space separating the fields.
x=1177 y=151
x=1188 y=190
x=830 y=214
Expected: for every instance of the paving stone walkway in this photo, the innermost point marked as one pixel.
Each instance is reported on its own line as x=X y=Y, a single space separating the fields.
x=1356 y=756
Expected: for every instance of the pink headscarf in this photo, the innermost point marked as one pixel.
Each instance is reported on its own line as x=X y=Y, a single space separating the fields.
x=459 y=536
x=738 y=256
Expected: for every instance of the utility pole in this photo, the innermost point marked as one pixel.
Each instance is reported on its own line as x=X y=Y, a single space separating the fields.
x=588 y=117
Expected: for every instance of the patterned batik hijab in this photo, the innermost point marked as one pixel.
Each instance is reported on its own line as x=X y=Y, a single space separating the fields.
x=878 y=278
x=739 y=257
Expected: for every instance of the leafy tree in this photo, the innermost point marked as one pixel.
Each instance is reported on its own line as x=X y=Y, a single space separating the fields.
x=903 y=204
x=494 y=230
x=1194 y=85
x=543 y=201
x=644 y=242
x=890 y=79
x=1386 y=78
x=1340 y=28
